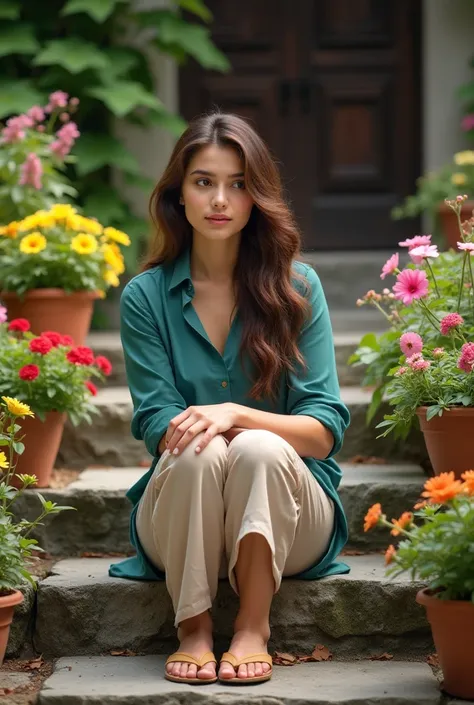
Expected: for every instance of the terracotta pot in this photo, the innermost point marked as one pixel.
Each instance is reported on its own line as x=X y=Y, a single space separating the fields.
x=7 y=607
x=449 y=221
x=448 y=439
x=42 y=441
x=53 y=309
x=452 y=625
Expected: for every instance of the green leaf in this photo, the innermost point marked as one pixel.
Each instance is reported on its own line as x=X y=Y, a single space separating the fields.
x=17 y=97
x=194 y=39
x=374 y=404
x=197 y=7
x=95 y=151
x=141 y=182
x=9 y=9
x=168 y=121
x=121 y=61
x=121 y=97
x=99 y=10
x=73 y=54
x=370 y=341
x=105 y=205
x=18 y=39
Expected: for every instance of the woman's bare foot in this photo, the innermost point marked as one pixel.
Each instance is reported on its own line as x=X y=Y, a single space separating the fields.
x=244 y=643
x=195 y=637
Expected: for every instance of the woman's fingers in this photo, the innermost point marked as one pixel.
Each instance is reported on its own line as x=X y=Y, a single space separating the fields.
x=184 y=434
x=207 y=437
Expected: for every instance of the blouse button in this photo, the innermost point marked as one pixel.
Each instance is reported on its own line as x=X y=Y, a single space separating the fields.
x=224 y=384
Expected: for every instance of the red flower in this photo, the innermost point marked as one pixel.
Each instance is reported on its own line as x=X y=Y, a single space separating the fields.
x=67 y=341
x=29 y=372
x=40 y=345
x=91 y=387
x=81 y=355
x=19 y=324
x=104 y=364
x=55 y=338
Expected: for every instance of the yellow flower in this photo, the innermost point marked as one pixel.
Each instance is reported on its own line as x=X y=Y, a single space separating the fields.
x=459 y=179
x=101 y=293
x=117 y=235
x=84 y=244
x=3 y=461
x=114 y=258
x=62 y=211
x=44 y=219
x=10 y=230
x=89 y=225
x=33 y=243
x=111 y=278
x=466 y=157
x=17 y=408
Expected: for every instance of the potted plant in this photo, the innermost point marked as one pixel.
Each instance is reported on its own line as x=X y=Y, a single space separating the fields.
x=54 y=377
x=15 y=546
x=422 y=365
x=434 y=188
x=54 y=263
x=438 y=551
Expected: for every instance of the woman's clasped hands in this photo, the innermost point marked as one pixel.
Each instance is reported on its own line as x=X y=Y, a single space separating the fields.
x=214 y=419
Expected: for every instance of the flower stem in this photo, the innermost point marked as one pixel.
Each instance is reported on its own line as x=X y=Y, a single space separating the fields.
x=430 y=315
x=384 y=313
x=434 y=278
x=472 y=279
x=462 y=279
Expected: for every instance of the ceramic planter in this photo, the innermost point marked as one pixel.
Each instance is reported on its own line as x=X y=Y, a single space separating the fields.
x=53 y=309
x=452 y=625
x=7 y=608
x=449 y=222
x=42 y=441
x=448 y=439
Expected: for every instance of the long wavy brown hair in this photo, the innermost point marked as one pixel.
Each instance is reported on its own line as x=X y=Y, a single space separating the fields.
x=271 y=309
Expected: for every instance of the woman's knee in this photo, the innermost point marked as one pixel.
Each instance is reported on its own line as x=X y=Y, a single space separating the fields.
x=255 y=445
x=212 y=458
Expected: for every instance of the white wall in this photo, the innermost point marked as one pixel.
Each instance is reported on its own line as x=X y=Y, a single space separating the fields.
x=448 y=45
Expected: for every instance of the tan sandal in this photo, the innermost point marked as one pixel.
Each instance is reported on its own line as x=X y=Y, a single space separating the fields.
x=182 y=657
x=228 y=657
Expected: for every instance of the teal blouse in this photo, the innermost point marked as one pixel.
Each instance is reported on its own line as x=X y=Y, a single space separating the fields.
x=171 y=364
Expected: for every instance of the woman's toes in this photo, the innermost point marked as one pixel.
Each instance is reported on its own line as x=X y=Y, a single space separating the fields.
x=176 y=669
x=206 y=672
x=258 y=669
x=192 y=671
x=242 y=672
x=183 y=670
x=226 y=671
x=266 y=667
x=251 y=670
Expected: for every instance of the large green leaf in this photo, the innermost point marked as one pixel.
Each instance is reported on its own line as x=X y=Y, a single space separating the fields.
x=121 y=97
x=194 y=39
x=17 y=97
x=9 y=9
x=94 y=151
x=121 y=61
x=99 y=10
x=197 y=7
x=169 y=121
x=73 y=54
x=18 y=39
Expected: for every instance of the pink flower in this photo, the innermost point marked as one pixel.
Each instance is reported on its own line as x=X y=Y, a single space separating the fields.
x=420 y=365
x=438 y=352
x=15 y=128
x=411 y=284
x=414 y=358
x=64 y=117
x=418 y=254
x=449 y=322
x=416 y=241
x=66 y=137
x=3 y=314
x=411 y=343
x=467 y=123
x=466 y=360
x=36 y=113
x=58 y=99
x=401 y=371
x=466 y=246
x=31 y=171
x=390 y=266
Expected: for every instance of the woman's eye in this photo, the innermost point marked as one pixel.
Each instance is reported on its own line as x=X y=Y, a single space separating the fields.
x=239 y=184
x=203 y=182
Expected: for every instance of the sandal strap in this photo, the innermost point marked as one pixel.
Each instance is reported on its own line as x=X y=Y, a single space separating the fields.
x=253 y=658
x=182 y=657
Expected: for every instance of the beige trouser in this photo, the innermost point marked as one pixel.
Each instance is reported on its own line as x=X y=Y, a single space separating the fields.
x=197 y=508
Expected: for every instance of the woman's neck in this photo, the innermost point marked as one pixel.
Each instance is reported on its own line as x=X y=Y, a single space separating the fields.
x=214 y=261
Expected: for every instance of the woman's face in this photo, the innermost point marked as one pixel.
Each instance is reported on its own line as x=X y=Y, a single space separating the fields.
x=216 y=203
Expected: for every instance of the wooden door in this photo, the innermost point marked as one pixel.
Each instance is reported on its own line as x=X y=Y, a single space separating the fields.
x=334 y=88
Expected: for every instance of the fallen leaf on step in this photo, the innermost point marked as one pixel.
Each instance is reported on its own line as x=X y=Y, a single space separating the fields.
x=123 y=652
x=35 y=663
x=304 y=658
x=351 y=552
x=368 y=460
x=382 y=657
x=321 y=653
x=6 y=691
x=144 y=464
x=282 y=659
x=433 y=660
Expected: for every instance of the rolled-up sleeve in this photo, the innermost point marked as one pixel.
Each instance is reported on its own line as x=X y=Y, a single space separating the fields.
x=149 y=373
x=315 y=390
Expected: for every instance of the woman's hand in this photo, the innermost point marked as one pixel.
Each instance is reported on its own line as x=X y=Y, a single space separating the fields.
x=213 y=419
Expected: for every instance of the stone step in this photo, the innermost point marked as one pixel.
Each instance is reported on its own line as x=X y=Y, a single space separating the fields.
x=109 y=440
x=100 y=524
x=82 y=611
x=139 y=680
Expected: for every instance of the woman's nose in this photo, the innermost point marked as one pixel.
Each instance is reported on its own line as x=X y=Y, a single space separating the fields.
x=219 y=198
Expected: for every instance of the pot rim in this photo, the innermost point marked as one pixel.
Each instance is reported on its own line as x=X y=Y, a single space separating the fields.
x=50 y=293
x=453 y=410
x=425 y=597
x=13 y=598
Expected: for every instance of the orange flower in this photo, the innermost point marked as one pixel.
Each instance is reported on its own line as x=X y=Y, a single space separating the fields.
x=442 y=488
x=372 y=517
x=468 y=478
x=390 y=554
x=421 y=505
x=402 y=523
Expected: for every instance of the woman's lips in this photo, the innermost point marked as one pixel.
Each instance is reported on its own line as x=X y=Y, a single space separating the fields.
x=218 y=220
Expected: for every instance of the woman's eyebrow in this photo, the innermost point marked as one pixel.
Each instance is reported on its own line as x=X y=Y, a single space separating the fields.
x=210 y=173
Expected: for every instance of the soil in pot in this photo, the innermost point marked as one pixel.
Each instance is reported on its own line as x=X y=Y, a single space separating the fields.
x=7 y=608
x=452 y=625
x=448 y=439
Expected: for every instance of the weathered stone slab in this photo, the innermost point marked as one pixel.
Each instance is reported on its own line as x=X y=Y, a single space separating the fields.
x=354 y=615
x=22 y=626
x=109 y=441
x=139 y=681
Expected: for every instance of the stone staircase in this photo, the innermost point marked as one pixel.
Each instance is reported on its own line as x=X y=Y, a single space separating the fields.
x=80 y=615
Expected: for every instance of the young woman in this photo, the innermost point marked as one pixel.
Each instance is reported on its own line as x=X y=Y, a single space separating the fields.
x=230 y=362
